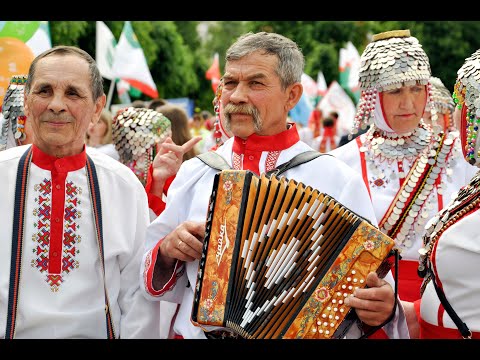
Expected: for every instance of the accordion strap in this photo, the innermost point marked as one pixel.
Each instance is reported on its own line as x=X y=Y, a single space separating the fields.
x=372 y=329
x=462 y=327
x=216 y=161
x=295 y=161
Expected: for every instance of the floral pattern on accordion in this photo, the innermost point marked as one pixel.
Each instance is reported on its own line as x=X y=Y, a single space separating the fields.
x=325 y=310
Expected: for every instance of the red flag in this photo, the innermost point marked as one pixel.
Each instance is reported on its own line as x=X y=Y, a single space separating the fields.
x=213 y=73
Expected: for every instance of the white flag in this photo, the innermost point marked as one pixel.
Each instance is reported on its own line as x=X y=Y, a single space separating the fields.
x=321 y=84
x=130 y=63
x=309 y=87
x=349 y=67
x=41 y=39
x=336 y=99
x=354 y=60
x=105 y=50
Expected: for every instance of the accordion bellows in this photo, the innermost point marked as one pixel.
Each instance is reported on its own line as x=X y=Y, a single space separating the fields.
x=279 y=258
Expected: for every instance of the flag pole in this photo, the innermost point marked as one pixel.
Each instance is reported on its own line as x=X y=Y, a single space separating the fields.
x=110 y=93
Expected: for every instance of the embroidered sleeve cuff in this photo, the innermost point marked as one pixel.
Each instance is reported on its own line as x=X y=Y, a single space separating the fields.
x=178 y=271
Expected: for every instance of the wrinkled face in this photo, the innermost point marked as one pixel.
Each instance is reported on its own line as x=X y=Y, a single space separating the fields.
x=403 y=107
x=253 y=100
x=60 y=106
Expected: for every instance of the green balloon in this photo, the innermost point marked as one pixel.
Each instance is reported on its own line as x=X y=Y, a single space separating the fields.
x=22 y=30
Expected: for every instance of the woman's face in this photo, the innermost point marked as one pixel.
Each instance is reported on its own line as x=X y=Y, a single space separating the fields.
x=403 y=107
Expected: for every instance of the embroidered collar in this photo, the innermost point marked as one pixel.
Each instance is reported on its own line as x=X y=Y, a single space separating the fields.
x=65 y=164
x=277 y=142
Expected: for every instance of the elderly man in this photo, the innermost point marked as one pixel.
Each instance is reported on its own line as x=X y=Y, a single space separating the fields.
x=73 y=224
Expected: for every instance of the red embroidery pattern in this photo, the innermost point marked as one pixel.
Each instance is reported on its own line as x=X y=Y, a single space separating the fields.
x=42 y=236
x=271 y=161
x=378 y=182
x=237 y=161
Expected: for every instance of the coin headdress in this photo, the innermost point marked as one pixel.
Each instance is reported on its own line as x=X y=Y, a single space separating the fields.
x=393 y=59
x=136 y=133
x=442 y=101
x=12 y=127
x=466 y=96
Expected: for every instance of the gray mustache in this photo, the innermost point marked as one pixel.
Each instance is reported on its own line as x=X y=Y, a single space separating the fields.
x=244 y=109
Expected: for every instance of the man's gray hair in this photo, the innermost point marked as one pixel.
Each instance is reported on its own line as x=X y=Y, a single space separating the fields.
x=290 y=58
x=62 y=50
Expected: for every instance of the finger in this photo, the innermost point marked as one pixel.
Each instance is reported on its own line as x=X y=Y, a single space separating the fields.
x=191 y=143
x=188 y=245
x=167 y=141
x=197 y=231
x=374 y=281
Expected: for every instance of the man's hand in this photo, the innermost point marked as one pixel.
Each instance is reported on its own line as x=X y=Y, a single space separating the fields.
x=168 y=161
x=184 y=243
x=373 y=304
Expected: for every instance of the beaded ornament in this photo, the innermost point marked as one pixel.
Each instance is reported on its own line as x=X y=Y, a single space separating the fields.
x=467 y=92
x=13 y=112
x=442 y=103
x=136 y=132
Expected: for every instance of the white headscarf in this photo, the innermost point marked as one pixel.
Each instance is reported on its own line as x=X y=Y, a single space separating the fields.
x=378 y=118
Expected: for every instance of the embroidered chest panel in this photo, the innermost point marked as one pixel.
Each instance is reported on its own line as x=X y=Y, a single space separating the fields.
x=42 y=235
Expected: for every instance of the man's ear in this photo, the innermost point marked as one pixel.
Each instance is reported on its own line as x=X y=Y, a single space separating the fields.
x=99 y=106
x=294 y=94
x=26 y=110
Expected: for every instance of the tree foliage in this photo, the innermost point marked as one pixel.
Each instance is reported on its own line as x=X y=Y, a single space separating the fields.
x=178 y=56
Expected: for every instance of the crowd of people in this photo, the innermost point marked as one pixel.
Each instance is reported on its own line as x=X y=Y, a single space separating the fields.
x=106 y=216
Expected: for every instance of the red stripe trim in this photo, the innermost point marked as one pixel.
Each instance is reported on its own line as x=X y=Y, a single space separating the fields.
x=439 y=196
x=150 y=271
x=380 y=96
x=400 y=169
x=364 y=165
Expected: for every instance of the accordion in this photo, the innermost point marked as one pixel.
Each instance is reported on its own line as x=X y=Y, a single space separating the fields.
x=279 y=258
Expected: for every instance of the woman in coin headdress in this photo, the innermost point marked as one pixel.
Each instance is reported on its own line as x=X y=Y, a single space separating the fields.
x=142 y=138
x=443 y=102
x=411 y=171
x=137 y=133
x=13 y=128
x=450 y=257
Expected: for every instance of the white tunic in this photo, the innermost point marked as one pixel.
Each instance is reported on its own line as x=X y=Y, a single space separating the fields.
x=188 y=199
x=65 y=298
x=456 y=261
x=458 y=245
x=459 y=175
